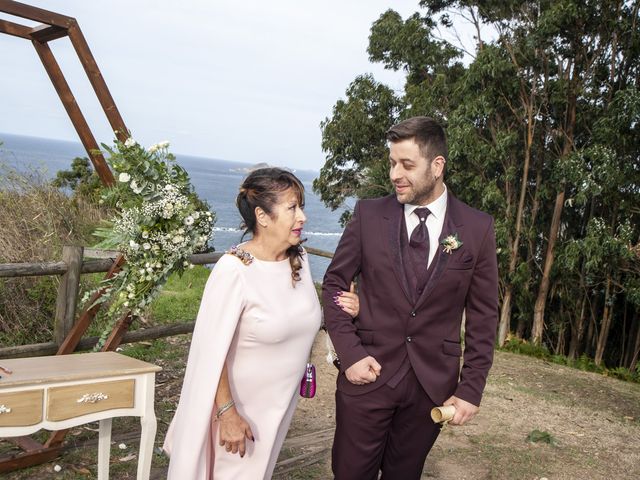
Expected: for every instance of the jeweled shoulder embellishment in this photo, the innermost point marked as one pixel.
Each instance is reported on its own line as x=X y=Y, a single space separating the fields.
x=245 y=257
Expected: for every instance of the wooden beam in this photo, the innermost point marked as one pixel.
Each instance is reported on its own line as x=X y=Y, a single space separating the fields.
x=47 y=33
x=9 y=463
x=97 y=82
x=36 y=14
x=76 y=116
x=9 y=270
x=115 y=338
x=15 y=29
x=143 y=334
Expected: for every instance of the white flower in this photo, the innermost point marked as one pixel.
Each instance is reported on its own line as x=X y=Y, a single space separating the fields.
x=126 y=304
x=177 y=239
x=133 y=244
x=145 y=234
x=189 y=220
x=163 y=144
x=153 y=148
x=131 y=295
x=191 y=265
x=181 y=231
x=57 y=468
x=185 y=263
x=146 y=246
x=143 y=271
x=451 y=243
x=129 y=142
x=135 y=187
x=150 y=270
x=124 y=177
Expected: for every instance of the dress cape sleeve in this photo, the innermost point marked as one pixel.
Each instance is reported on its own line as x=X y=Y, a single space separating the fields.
x=188 y=438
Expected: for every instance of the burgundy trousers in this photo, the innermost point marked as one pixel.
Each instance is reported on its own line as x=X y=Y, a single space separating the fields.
x=389 y=429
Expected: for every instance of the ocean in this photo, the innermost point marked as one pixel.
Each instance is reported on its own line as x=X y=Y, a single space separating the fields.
x=214 y=180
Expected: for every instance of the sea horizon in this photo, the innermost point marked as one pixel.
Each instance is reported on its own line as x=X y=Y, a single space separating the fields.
x=303 y=174
x=215 y=180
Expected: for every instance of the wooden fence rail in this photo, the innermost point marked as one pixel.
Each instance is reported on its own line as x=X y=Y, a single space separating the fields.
x=72 y=266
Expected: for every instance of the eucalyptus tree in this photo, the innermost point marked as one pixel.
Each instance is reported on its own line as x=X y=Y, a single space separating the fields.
x=543 y=133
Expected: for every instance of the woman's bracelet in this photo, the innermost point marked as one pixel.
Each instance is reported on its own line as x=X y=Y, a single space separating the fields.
x=224 y=408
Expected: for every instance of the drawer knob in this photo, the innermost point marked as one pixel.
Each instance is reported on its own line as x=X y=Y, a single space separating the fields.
x=92 y=397
x=4 y=409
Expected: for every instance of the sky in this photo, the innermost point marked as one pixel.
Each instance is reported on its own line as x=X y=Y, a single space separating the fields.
x=247 y=81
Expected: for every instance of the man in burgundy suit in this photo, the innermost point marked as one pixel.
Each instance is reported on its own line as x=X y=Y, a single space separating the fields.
x=423 y=260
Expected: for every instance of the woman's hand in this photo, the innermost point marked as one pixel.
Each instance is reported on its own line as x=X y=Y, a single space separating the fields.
x=348 y=301
x=233 y=432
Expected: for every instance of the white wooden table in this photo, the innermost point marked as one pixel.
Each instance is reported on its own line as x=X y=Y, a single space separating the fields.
x=64 y=391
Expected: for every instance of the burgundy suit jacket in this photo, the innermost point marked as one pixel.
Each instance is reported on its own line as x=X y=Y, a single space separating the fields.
x=390 y=326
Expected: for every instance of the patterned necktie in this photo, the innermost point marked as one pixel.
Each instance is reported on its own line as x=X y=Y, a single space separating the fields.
x=419 y=243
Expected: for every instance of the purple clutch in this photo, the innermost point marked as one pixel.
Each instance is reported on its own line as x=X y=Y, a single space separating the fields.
x=308 y=383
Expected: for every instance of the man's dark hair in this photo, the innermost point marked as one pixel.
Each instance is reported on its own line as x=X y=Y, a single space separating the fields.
x=425 y=131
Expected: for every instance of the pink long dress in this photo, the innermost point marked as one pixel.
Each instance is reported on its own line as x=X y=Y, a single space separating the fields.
x=252 y=316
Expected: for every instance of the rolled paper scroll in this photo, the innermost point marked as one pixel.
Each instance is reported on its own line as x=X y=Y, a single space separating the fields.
x=443 y=414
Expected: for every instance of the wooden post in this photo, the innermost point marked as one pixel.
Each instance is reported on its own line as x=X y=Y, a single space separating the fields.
x=68 y=292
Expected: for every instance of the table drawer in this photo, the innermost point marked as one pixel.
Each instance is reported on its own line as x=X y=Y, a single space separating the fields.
x=21 y=409
x=77 y=400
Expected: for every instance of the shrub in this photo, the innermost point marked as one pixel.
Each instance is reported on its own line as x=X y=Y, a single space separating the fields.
x=36 y=220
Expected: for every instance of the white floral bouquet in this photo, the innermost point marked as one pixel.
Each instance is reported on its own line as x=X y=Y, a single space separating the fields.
x=160 y=222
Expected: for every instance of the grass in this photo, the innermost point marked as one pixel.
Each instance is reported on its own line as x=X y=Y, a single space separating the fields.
x=180 y=298
x=584 y=363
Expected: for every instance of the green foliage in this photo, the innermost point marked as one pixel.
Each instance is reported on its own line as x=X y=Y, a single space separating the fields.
x=549 y=109
x=356 y=163
x=81 y=179
x=537 y=436
x=160 y=222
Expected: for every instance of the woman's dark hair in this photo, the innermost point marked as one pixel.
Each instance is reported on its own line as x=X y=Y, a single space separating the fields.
x=262 y=188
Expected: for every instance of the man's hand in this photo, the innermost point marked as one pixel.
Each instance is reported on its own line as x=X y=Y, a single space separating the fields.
x=465 y=411
x=363 y=371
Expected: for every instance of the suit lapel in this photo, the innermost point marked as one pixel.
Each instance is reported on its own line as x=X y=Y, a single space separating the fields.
x=393 y=218
x=452 y=225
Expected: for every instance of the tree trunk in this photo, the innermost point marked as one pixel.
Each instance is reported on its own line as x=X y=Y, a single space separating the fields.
x=577 y=331
x=606 y=324
x=634 y=359
x=634 y=336
x=538 y=310
x=505 y=313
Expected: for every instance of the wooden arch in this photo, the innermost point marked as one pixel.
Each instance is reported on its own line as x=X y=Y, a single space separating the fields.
x=54 y=26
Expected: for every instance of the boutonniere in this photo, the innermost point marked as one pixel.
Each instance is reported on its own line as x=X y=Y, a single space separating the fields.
x=451 y=243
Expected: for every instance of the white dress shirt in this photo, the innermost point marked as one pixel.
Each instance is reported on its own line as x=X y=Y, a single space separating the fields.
x=435 y=221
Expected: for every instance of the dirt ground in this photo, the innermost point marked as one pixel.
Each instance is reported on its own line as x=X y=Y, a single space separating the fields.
x=592 y=425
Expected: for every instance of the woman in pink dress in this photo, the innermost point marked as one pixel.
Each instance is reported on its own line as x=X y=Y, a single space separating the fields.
x=257 y=321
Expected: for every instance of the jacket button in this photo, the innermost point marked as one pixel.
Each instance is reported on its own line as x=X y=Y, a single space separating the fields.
x=413 y=314
x=409 y=339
